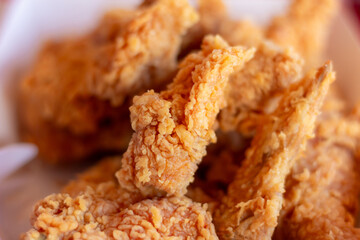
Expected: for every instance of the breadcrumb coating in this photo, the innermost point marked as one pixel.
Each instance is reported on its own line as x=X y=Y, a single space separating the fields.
x=251 y=89
x=254 y=200
x=126 y=54
x=321 y=198
x=173 y=128
x=94 y=206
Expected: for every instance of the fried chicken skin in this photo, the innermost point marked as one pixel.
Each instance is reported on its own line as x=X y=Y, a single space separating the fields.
x=95 y=206
x=146 y=51
x=173 y=128
x=254 y=200
x=321 y=198
x=95 y=77
x=304 y=27
x=251 y=89
x=88 y=217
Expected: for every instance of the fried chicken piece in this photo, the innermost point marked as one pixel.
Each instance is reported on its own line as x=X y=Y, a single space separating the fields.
x=62 y=68
x=94 y=205
x=95 y=177
x=120 y=56
x=146 y=51
x=254 y=200
x=173 y=128
x=58 y=145
x=304 y=27
x=321 y=198
x=322 y=194
x=252 y=89
x=89 y=216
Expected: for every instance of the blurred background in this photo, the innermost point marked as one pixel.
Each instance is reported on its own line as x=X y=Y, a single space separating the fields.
x=353 y=7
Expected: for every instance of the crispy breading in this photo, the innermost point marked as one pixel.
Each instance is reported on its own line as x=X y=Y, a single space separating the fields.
x=254 y=200
x=95 y=206
x=271 y=71
x=304 y=27
x=65 y=99
x=173 y=128
x=88 y=216
x=321 y=198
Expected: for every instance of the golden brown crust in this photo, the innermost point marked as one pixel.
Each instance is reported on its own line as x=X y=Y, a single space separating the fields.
x=94 y=205
x=173 y=128
x=88 y=216
x=251 y=89
x=146 y=51
x=254 y=200
x=65 y=99
x=321 y=199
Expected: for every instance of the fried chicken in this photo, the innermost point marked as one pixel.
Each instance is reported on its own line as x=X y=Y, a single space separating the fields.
x=91 y=217
x=146 y=51
x=173 y=128
x=95 y=206
x=128 y=52
x=254 y=200
x=321 y=199
x=252 y=89
x=304 y=27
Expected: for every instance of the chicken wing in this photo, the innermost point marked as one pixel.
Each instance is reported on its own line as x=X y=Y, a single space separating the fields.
x=117 y=60
x=173 y=128
x=254 y=200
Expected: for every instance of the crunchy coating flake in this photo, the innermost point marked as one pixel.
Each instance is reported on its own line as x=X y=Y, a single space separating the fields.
x=304 y=27
x=254 y=200
x=173 y=128
x=271 y=71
